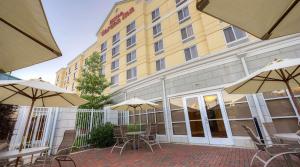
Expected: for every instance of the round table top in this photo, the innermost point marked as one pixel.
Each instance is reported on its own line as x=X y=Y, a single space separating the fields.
x=135 y=133
x=288 y=136
x=24 y=152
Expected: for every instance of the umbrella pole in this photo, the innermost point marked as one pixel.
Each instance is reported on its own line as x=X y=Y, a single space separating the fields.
x=293 y=98
x=25 y=130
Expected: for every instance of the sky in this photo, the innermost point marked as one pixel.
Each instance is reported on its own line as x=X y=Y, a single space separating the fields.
x=74 y=24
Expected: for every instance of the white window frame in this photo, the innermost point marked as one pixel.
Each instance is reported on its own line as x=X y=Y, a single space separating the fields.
x=114 y=77
x=155 y=15
x=162 y=64
x=103 y=58
x=184 y=17
x=104 y=46
x=192 y=35
x=180 y=2
x=102 y=70
x=114 y=67
x=116 y=38
x=115 y=51
x=131 y=72
x=236 y=40
x=159 y=43
x=131 y=57
x=131 y=41
x=130 y=26
x=158 y=33
x=190 y=51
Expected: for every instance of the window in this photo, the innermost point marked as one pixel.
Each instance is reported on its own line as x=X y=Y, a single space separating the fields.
x=131 y=27
x=179 y=2
x=115 y=51
x=116 y=38
x=103 y=46
x=160 y=64
x=103 y=58
x=239 y=113
x=187 y=33
x=73 y=85
x=281 y=110
x=131 y=41
x=115 y=64
x=74 y=76
x=233 y=34
x=183 y=14
x=190 y=53
x=102 y=70
x=131 y=57
x=156 y=30
x=155 y=15
x=131 y=73
x=76 y=66
x=158 y=46
x=114 y=80
x=177 y=116
x=69 y=70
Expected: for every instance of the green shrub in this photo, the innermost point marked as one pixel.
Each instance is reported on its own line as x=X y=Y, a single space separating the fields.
x=102 y=136
x=133 y=128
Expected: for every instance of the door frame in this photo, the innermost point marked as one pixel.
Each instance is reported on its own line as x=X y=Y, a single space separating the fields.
x=208 y=139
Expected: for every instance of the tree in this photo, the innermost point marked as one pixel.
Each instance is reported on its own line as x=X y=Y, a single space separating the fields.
x=7 y=120
x=92 y=84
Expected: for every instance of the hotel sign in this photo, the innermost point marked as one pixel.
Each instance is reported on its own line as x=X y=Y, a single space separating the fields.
x=117 y=20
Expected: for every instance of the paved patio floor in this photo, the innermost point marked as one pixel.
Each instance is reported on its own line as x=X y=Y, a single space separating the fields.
x=172 y=155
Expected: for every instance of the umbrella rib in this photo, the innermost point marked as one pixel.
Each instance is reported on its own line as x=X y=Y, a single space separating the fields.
x=19 y=91
x=289 y=9
x=291 y=77
x=280 y=75
x=56 y=94
x=42 y=94
x=269 y=78
x=66 y=99
x=29 y=36
x=241 y=85
x=43 y=99
x=263 y=82
x=10 y=95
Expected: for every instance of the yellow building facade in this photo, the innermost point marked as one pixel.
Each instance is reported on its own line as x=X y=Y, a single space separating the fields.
x=143 y=37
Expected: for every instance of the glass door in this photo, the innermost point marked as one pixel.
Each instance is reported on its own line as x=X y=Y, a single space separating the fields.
x=216 y=122
x=207 y=120
x=195 y=121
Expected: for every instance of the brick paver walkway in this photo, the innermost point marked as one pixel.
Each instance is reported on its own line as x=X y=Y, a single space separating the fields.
x=172 y=155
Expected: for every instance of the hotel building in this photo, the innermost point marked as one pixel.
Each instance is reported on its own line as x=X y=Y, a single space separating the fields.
x=168 y=52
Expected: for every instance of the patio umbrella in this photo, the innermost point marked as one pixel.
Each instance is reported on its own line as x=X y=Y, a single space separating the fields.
x=37 y=93
x=26 y=38
x=280 y=74
x=133 y=104
x=264 y=19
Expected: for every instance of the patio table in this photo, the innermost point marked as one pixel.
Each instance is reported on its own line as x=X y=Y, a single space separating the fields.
x=24 y=152
x=135 y=137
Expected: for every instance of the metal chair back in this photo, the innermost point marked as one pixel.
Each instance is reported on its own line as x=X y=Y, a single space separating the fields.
x=253 y=137
x=68 y=141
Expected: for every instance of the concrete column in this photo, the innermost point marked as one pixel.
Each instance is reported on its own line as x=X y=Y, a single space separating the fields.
x=258 y=110
x=166 y=111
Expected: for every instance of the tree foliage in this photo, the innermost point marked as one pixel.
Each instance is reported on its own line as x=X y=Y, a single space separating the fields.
x=92 y=84
x=7 y=121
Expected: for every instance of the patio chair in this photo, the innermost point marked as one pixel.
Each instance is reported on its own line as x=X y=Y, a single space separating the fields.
x=150 y=137
x=63 y=153
x=272 y=150
x=271 y=131
x=121 y=139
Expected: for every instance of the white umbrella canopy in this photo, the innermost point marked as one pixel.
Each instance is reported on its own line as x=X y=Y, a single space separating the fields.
x=264 y=19
x=280 y=74
x=36 y=92
x=44 y=94
x=133 y=104
x=26 y=38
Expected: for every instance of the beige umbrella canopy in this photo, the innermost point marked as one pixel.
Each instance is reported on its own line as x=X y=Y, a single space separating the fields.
x=36 y=93
x=25 y=36
x=264 y=19
x=280 y=74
